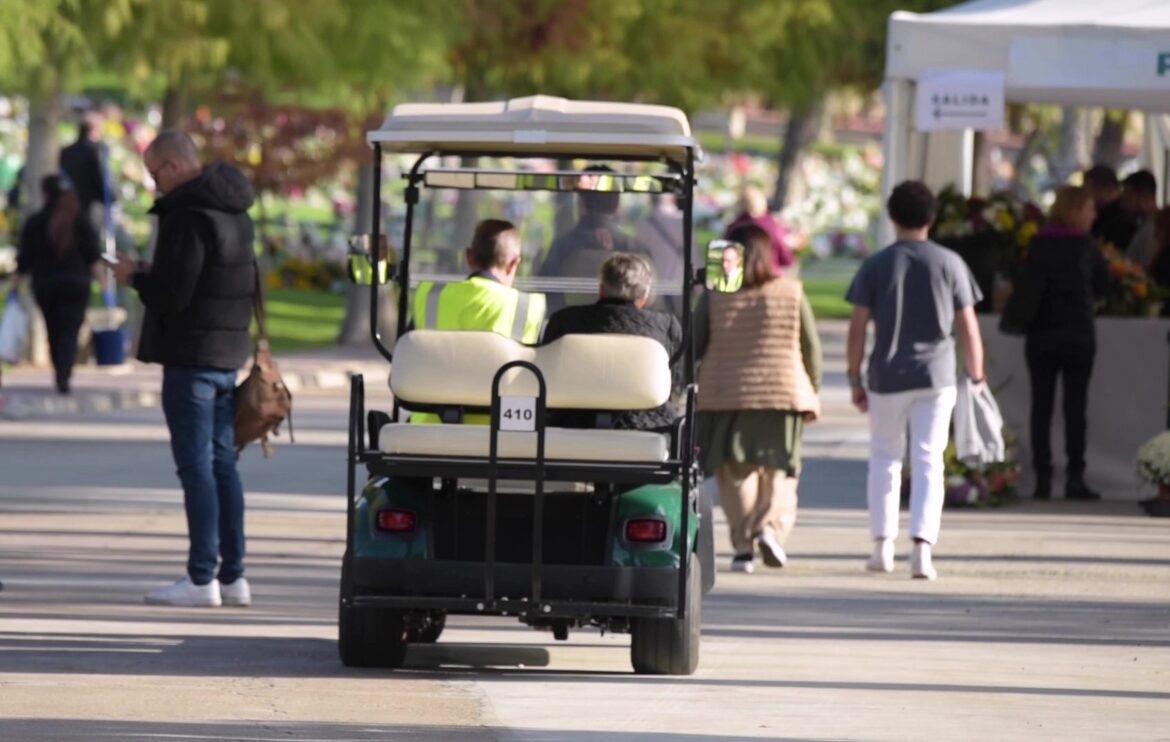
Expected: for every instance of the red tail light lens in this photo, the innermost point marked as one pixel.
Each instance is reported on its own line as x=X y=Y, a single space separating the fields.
x=396 y=521
x=645 y=531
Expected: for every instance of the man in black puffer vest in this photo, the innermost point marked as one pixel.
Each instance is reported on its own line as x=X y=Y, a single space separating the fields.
x=198 y=296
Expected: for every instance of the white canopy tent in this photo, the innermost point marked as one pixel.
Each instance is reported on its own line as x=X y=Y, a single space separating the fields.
x=1108 y=53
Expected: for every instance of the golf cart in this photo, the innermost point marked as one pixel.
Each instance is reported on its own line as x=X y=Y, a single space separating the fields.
x=560 y=528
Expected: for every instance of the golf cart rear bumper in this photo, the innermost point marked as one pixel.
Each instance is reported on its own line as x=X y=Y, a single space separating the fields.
x=457 y=587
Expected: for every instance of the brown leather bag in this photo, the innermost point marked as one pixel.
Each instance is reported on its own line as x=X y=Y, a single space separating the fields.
x=263 y=401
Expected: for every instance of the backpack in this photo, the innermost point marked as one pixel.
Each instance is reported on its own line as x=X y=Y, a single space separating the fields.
x=263 y=401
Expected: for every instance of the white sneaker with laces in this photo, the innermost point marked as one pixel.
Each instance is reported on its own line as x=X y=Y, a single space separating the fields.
x=187 y=593
x=236 y=593
x=920 y=563
x=882 y=559
x=771 y=550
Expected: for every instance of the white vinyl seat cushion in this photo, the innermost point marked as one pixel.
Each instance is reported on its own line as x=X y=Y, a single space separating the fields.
x=560 y=444
x=589 y=372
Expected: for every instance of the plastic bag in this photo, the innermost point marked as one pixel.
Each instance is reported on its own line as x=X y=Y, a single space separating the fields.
x=14 y=331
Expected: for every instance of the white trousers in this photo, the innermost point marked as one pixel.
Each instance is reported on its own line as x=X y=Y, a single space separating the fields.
x=927 y=412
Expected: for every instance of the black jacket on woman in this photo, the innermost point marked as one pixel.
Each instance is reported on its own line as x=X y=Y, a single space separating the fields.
x=38 y=258
x=619 y=317
x=1070 y=274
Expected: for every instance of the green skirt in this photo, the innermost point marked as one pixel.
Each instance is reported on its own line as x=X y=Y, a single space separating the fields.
x=762 y=437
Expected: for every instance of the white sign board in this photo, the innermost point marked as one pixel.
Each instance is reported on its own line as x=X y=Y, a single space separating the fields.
x=518 y=414
x=960 y=99
x=1070 y=63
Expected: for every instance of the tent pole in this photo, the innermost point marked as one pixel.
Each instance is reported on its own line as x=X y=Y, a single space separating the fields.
x=895 y=150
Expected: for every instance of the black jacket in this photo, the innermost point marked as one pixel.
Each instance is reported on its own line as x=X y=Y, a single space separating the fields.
x=1070 y=273
x=37 y=257
x=622 y=318
x=199 y=291
x=81 y=161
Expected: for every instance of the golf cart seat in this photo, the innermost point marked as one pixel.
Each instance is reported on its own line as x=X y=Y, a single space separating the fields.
x=437 y=370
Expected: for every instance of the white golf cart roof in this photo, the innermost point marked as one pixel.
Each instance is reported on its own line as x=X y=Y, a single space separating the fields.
x=538 y=125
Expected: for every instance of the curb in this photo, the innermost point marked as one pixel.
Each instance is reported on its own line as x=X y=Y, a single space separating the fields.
x=82 y=401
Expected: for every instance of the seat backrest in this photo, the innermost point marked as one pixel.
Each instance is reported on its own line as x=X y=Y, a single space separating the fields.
x=587 y=372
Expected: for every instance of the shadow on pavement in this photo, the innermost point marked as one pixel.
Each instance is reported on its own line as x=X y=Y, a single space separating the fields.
x=55 y=729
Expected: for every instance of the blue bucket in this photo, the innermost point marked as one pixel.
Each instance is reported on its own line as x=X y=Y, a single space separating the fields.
x=109 y=347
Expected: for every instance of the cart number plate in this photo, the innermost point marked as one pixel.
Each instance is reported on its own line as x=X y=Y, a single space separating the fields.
x=518 y=414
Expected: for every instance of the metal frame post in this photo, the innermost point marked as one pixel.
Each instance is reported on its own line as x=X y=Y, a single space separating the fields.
x=493 y=478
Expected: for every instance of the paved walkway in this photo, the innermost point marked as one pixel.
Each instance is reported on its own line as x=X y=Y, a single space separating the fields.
x=29 y=391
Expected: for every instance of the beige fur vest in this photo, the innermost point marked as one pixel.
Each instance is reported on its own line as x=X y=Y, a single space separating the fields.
x=753 y=359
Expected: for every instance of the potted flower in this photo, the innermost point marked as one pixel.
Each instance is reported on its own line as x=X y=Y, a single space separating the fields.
x=1153 y=466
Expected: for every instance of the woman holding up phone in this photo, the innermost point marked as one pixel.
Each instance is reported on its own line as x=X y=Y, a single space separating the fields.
x=58 y=248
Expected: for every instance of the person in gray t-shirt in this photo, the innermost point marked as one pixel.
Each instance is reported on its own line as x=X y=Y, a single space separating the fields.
x=913 y=291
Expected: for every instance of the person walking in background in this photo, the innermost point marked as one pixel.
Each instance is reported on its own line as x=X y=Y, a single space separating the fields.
x=1067 y=274
x=912 y=291
x=754 y=210
x=83 y=164
x=198 y=296
x=59 y=249
x=758 y=383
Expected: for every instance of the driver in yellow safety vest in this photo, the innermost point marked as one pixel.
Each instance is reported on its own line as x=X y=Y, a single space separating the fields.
x=485 y=300
x=732 y=278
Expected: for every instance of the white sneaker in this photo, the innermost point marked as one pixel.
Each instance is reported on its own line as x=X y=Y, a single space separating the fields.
x=743 y=563
x=187 y=593
x=771 y=550
x=882 y=559
x=920 y=565
x=236 y=593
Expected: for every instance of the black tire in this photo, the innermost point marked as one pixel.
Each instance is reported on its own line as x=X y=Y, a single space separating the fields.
x=428 y=630
x=370 y=636
x=670 y=646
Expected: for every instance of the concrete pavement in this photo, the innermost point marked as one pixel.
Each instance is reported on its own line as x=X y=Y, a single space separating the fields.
x=1050 y=620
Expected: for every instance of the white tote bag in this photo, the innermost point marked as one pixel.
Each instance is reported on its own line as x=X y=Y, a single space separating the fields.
x=978 y=425
x=14 y=332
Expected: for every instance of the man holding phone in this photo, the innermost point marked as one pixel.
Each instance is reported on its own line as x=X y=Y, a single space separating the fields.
x=198 y=296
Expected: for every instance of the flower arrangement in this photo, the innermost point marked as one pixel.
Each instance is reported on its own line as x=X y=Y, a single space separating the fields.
x=985 y=486
x=991 y=234
x=1153 y=459
x=989 y=485
x=298 y=273
x=1131 y=292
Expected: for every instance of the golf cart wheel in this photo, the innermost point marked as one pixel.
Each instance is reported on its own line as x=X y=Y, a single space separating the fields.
x=670 y=646
x=371 y=637
x=428 y=629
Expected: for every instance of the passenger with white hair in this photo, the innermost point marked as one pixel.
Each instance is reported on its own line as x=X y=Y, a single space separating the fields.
x=625 y=285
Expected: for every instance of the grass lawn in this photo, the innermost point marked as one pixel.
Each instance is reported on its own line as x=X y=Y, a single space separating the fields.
x=827 y=297
x=302 y=320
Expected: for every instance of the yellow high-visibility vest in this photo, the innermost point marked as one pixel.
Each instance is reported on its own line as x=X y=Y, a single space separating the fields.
x=730 y=283
x=477 y=304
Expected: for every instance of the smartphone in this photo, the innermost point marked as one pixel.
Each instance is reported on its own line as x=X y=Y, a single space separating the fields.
x=110 y=260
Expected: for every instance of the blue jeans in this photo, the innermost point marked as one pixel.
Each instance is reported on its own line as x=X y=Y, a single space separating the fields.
x=200 y=408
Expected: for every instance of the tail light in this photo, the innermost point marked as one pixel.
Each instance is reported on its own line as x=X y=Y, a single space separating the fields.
x=396 y=521
x=645 y=531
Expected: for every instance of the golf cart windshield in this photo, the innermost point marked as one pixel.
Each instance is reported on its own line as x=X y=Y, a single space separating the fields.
x=570 y=219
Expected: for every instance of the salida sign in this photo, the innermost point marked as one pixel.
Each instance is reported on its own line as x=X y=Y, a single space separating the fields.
x=960 y=99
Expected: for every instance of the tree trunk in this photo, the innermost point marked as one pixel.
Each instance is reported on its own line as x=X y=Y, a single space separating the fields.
x=466 y=216
x=44 y=116
x=1072 y=153
x=564 y=206
x=174 y=106
x=1107 y=146
x=804 y=124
